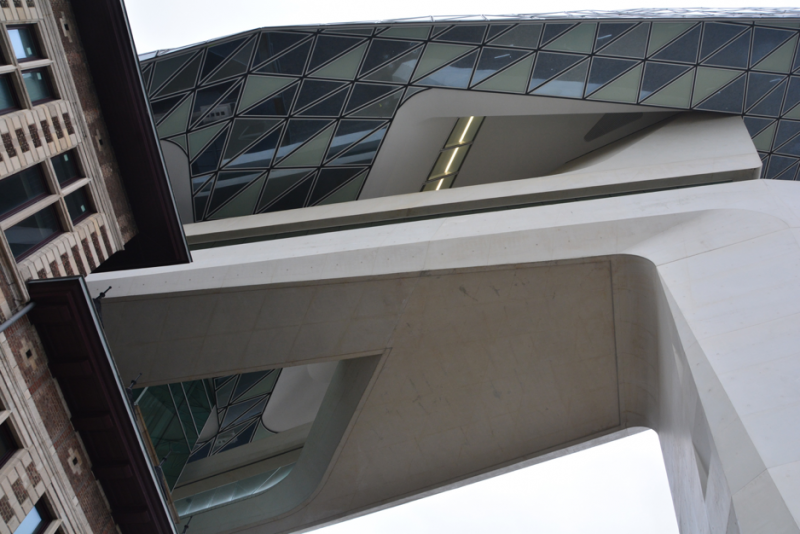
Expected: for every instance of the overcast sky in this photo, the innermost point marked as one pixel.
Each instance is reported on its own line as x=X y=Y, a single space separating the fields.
x=616 y=488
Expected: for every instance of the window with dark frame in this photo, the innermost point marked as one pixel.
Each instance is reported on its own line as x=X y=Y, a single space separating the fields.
x=21 y=190
x=8 y=97
x=36 y=521
x=30 y=234
x=37 y=82
x=8 y=445
x=24 y=43
x=78 y=205
x=66 y=167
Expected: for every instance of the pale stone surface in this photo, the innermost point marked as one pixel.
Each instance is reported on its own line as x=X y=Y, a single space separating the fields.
x=508 y=336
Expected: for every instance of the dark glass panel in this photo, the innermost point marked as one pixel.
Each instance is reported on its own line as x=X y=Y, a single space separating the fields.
x=216 y=54
x=604 y=70
x=166 y=68
x=792 y=94
x=633 y=44
x=384 y=50
x=455 y=74
x=732 y=55
x=349 y=132
x=766 y=40
x=205 y=98
x=23 y=41
x=786 y=130
x=792 y=147
x=185 y=78
x=758 y=85
x=549 y=65
x=684 y=49
x=657 y=75
x=522 y=36
x=312 y=90
x=184 y=413
x=778 y=164
x=330 y=46
x=66 y=167
x=37 y=82
x=246 y=381
x=365 y=92
x=244 y=132
x=495 y=29
x=271 y=44
x=293 y=62
x=398 y=70
x=755 y=125
x=200 y=202
x=716 y=34
x=464 y=34
x=243 y=437
x=296 y=198
x=208 y=160
x=364 y=152
x=298 y=131
x=609 y=31
x=330 y=107
x=553 y=30
x=21 y=189
x=236 y=411
x=276 y=106
x=729 y=99
x=329 y=180
x=494 y=59
x=260 y=155
x=25 y=236
x=237 y=65
x=771 y=105
x=8 y=100
x=228 y=184
x=7 y=444
x=78 y=204
x=160 y=108
x=200 y=453
x=280 y=181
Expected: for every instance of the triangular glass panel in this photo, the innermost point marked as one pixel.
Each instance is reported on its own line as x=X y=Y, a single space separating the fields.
x=792 y=148
x=758 y=85
x=657 y=75
x=280 y=181
x=549 y=65
x=778 y=164
x=664 y=32
x=292 y=63
x=763 y=141
x=147 y=74
x=298 y=131
x=792 y=94
x=200 y=453
x=310 y=154
x=242 y=204
x=349 y=132
x=270 y=44
x=260 y=155
x=246 y=381
x=609 y=31
x=275 y=106
x=262 y=432
x=384 y=50
x=201 y=200
x=493 y=60
x=244 y=132
x=329 y=107
x=677 y=94
x=328 y=47
x=521 y=36
x=716 y=34
x=796 y=64
x=235 y=411
x=684 y=49
x=771 y=105
x=780 y=60
x=401 y=31
x=216 y=54
x=185 y=78
x=208 y=160
x=296 y=198
x=160 y=108
x=579 y=39
x=730 y=99
x=514 y=79
x=411 y=91
x=456 y=74
x=256 y=88
x=569 y=85
x=633 y=44
x=553 y=30
x=350 y=31
x=205 y=98
x=343 y=68
x=224 y=393
x=623 y=89
x=228 y=184
x=180 y=140
x=266 y=385
x=604 y=70
x=235 y=66
x=199 y=138
x=733 y=55
x=755 y=124
x=242 y=438
x=346 y=193
x=786 y=130
x=398 y=70
x=495 y=29
x=363 y=153
x=439 y=28
x=464 y=34
x=166 y=68
x=313 y=90
x=437 y=55
x=366 y=92
x=198 y=182
x=766 y=40
x=709 y=81
x=175 y=122
x=330 y=180
x=224 y=109
x=383 y=108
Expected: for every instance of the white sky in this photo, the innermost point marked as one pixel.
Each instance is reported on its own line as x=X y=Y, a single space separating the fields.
x=616 y=488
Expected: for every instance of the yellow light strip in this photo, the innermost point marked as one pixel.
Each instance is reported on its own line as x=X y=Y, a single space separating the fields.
x=447 y=169
x=439 y=184
x=465 y=130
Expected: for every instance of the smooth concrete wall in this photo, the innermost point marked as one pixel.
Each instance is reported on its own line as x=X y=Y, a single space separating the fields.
x=674 y=310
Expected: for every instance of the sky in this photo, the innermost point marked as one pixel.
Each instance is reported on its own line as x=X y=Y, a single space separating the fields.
x=619 y=487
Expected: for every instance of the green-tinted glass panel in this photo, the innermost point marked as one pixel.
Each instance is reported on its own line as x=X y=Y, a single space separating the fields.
x=793 y=114
x=464 y=132
x=260 y=155
x=201 y=199
x=763 y=141
x=632 y=44
x=609 y=31
x=262 y=432
x=493 y=60
x=664 y=32
x=266 y=385
x=7 y=99
x=166 y=432
x=166 y=68
x=348 y=192
x=780 y=60
x=512 y=80
x=198 y=402
x=236 y=65
x=456 y=74
x=199 y=139
x=228 y=184
x=578 y=39
x=280 y=181
x=570 y=84
x=185 y=79
x=397 y=71
x=242 y=204
x=180 y=140
x=245 y=132
x=22 y=188
x=258 y=88
x=184 y=413
x=37 y=82
x=175 y=123
x=437 y=55
x=522 y=36
x=709 y=80
x=345 y=67
x=382 y=108
x=623 y=89
x=675 y=95
x=329 y=180
x=78 y=204
x=310 y=154
x=407 y=32
x=28 y=234
x=66 y=167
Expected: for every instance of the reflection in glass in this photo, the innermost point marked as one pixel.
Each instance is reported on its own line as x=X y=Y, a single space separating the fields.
x=24 y=43
x=465 y=131
x=78 y=205
x=449 y=162
x=66 y=167
x=27 y=235
x=441 y=183
x=8 y=101
x=37 y=82
x=21 y=189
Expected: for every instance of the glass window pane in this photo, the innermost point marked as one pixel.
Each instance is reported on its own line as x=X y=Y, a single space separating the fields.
x=449 y=162
x=32 y=522
x=24 y=43
x=20 y=189
x=7 y=443
x=78 y=204
x=7 y=99
x=465 y=131
x=33 y=231
x=442 y=183
x=66 y=167
x=37 y=82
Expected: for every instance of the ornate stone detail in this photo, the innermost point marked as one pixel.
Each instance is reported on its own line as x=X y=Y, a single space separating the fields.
x=46 y=130
x=8 y=145
x=37 y=142
x=23 y=141
x=17 y=3
x=68 y=124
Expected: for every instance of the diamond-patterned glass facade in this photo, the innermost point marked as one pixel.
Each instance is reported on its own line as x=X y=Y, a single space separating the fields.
x=286 y=118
